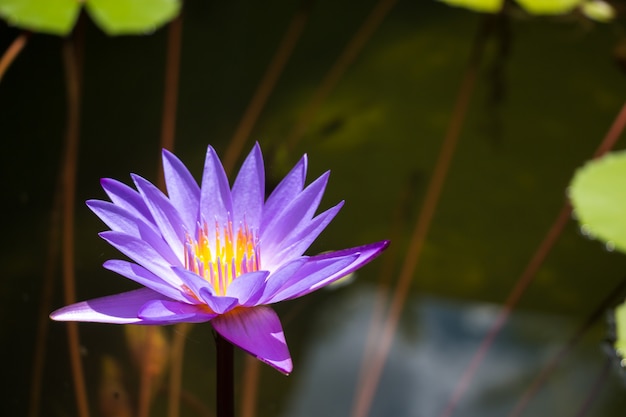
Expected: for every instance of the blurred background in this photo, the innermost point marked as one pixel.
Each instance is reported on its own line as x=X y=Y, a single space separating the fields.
x=373 y=91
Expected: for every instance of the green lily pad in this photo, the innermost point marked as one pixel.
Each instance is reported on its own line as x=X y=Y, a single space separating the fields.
x=487 y=6
x=114 y=17
x=620 y=330
x=55 y=17
x=598 y=10
x=126 y=17
x=549 y=7
x=598 y=194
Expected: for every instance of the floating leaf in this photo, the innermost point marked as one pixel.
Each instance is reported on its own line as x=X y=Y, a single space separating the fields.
x=115 y=17
x=620 y=331
x=489 y=6
x=56 y=17
x=598 y=193
x=598 y=10
x=123 y=17
x=549 y=6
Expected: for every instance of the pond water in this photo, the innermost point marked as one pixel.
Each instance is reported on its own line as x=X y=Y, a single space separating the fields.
x=546 y=92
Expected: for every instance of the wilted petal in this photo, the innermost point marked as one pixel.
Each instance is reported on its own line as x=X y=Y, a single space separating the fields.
x=258 y=331
x=170 y=312
x=215 y=198
x=249 y=190
x=182 y=189
x=117 y=309
x=285 y=192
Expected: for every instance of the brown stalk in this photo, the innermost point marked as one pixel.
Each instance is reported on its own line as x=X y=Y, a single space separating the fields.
x=12 y=52
x=252 y=372
x=375 y=364
x=45 y=302
x=375 y=327
x=529 y=273
x=176 y=369
x=73 y=84
x=369 y=26
x=168 y=135
x=597 y=384
x=266 y=86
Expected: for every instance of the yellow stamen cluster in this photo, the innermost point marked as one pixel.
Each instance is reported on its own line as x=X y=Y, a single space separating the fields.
x=234 y=253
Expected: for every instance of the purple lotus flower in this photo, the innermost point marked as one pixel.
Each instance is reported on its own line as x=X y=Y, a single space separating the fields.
x=212 y=253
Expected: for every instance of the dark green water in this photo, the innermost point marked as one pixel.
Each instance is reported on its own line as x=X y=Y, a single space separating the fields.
x=537 y=113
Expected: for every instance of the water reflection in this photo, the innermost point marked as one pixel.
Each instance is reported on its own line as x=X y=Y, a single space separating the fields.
x=433 y=347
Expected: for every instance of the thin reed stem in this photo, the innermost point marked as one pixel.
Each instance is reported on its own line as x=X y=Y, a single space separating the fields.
x=168 y=137
x=529 y=273
x=73 y=85
x=381 y=295
x=45 y=302
x=170 y=90
x=351 y=51
x=597 y=385
x=176 y=368
x=368 y=384
x=266 y=86
x=235 y=147
x=252 y=372
x=12 y=52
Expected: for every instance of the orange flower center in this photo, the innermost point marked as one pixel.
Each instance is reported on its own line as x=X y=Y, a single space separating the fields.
x=223 y=255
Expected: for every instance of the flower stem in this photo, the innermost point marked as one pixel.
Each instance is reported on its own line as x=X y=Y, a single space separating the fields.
x=225 y=377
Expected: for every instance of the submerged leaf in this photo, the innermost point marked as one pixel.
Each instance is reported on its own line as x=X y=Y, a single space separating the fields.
x=598 y=193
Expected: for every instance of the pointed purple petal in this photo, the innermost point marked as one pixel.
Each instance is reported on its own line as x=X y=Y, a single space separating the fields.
x=142 y=276
x=249 y=190
x=165 y=215
x=304 y=283
x=204 y=291
x=313 y=274
x=170 y=312
x=129 y=199
x=300 y=239
x=285 y=192
x=300 y=210
x=145 y=254
x=218 y=303
x=120 y=219
x=215 y=198
x=277 y=278
x=117 y=309
x=258 y=331
x=182 y=189
x=248 y=288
